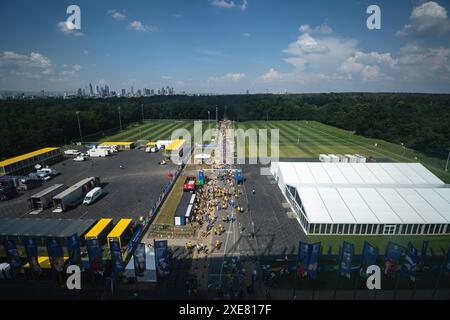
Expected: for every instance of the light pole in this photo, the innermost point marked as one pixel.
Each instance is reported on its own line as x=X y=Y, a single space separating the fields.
x=448 y=159
x=79 y=126
x=120 y=119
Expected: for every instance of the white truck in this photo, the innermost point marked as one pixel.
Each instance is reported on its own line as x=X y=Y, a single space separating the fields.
x=98 y=153
x=92 y=195
x=71 y=153
x=111 y=149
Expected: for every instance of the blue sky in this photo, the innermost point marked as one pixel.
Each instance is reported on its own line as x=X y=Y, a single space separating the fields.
x=224 y=46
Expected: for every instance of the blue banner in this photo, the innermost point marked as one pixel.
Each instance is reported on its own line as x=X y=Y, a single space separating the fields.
x=348 y=250
x=13 y=255
x=162 y=257
x=239 y=176
x=201 y=175
x=135 y=238
x=73 y=246
x=32 y=253
x=303 y=256
x=95 y=254
x=116 y=256
x=55 y=254
x=393 y=254
x=369 y=257
x=313 y=262
x=410 y=262
x=139 y=259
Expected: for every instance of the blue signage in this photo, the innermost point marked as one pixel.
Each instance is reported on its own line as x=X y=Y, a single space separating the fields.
x=410 y=262
x=139 y=259
x=393 y=254
x=13 y=255
x=31 y=250
x=55 y=254
x=162 y=257
x=369 y=257
x=313 y=262
x=303 y=256
x=116 y=256
x=95 y=254
x=348 y=250
x=73 y=246
x=447 y=264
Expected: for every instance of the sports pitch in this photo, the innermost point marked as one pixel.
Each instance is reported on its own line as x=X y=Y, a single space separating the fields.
x=309 y=139
x=156 y=130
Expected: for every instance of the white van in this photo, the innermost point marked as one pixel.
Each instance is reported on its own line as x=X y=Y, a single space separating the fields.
x=92 y=196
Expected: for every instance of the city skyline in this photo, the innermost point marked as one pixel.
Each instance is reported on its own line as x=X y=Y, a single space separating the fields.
x=226 y=47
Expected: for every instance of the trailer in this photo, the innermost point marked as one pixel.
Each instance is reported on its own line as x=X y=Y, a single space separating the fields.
x=333 y=158
x=6 y=193
x=342 y=158
x=360 y=158
x=98 y=153
x=21 y=183
x=351 y=158
x=44 y=199
x=74 y=195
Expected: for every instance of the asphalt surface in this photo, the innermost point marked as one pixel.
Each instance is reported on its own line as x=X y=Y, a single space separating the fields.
x=128 y=192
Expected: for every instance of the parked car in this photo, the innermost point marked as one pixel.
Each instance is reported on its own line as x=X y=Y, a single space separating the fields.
x=79 y=158
x=189 y=184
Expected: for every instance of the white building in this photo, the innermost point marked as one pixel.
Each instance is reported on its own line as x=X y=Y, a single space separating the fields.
x=365 y=198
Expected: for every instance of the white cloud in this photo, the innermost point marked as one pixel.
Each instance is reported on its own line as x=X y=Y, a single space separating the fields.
x=271 y=75
x=85 y=52
x=246 y=34
x=117 y=15
x=229 y=4
x=368 y=65
x=427 y=19
x=140 y=27
x=209 y=52
x=322 y=29
x=418 y=62
x=228 y=77
x=306 y=44
x=34 y=60
x=67 y=28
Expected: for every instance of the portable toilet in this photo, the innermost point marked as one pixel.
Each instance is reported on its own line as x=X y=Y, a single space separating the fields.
x=201 y=177
x=333 y=158
x=239 y=176
x=324 y=158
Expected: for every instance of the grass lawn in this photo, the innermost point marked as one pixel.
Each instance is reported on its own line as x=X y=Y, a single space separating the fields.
x=167 y=212
x=308 y=139
x=156 y=130
x=334 y=243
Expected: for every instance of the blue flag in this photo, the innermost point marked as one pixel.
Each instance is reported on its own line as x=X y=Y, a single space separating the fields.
x=116 y=256
x=32 y=253
x=410 y=262
x=447 y=265
x=348 y=250
x=13 y=255
x=73 y=246
x=313 y=262
x=95 y=254
x=303 y=256
x=55 y=254
x=369 y=257
x=139 y=259
x=393 y=254
x=162 y=257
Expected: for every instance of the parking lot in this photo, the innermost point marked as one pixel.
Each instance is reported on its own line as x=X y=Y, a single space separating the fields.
x=128 y=192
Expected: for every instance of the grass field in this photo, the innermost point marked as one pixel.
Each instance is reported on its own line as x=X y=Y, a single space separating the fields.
x=308 y=139
x=156 y=130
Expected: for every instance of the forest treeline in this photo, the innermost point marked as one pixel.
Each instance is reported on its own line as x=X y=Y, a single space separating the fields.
x=421 y=121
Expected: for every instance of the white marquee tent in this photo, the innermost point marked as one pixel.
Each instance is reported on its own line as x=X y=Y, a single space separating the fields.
x=365 y=198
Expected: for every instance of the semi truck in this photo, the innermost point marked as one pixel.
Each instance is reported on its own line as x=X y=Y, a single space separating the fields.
x=44 y=199
x=21 y=183
x=6 y=193
x=74 y=195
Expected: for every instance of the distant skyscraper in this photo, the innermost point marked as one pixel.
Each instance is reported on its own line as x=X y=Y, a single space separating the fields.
x=107 y=90
x=91 y=90
x=132 y=90
x=97 y=90
x=124 y=93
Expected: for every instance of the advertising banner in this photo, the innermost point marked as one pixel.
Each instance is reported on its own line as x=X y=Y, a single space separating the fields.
x=73 y=246
x=55 y=254
x=313 y=262
x=139 y=259
x=410 y=262
x=303 y=256
x=13 y=255
x=447 y=264
x=162 y=257
x=116 y=256
x=393 y=254
x=95 y=254
x=32 y=253
x=348 y=250
x=369 y=257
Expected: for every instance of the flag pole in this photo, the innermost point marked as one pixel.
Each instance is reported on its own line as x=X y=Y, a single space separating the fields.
x=436 y=288
x=337 y=275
